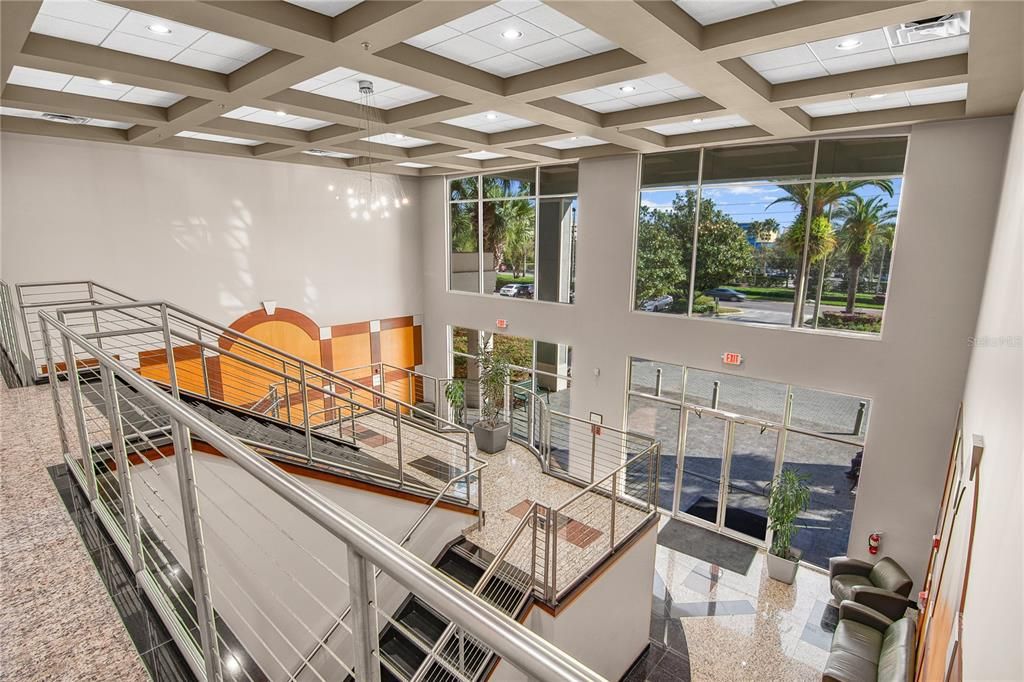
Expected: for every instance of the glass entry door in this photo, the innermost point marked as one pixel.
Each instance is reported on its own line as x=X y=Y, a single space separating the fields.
x=726 y=465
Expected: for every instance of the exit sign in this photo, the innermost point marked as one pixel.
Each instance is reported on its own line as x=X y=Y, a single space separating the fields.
x=501 y=324
x=732 y=358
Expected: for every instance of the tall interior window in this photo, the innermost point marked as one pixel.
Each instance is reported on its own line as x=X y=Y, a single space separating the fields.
x=725 y=437
x=513 y=233
x=794 y=234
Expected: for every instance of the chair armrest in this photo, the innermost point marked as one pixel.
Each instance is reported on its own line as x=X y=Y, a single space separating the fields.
x=889 y=604
x=859 y=613
x=844 y=565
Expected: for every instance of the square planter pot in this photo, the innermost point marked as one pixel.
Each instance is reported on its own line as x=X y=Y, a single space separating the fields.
x=490 y=440
x=784 y=570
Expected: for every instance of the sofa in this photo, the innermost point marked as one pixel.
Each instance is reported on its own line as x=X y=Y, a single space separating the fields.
x=868 y=646
x=883 y=586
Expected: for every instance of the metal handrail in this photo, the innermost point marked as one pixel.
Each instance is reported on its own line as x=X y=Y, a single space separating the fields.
x=515 y=643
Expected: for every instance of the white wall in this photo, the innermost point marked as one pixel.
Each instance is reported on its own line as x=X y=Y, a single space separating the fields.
x=914 y=374
x=993 y=408
x=214 y=234
x=278 y=578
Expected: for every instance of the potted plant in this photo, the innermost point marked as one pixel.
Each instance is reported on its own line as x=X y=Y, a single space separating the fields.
x=455 y=394
x=491 y=432
x=788 y=496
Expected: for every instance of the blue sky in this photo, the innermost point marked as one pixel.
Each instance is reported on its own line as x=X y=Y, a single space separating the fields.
x=746 y=203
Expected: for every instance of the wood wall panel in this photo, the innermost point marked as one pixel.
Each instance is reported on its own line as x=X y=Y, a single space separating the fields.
x=397 y=346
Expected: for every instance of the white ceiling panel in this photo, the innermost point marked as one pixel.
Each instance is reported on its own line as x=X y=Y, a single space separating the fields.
x=397 y=140
x=483 y=156
x=700 y=125
x=330 y=8
x=637 y=92
x=574 y=142
x=273 y=118
x=708 y=12
x=851 y=52
x=218 y=138
x=97 y=23
x=49 y=80
x=98 y=122
x=327 y=152
x=490 y=122
x=890 y=100
x=341 y=83
x=512 y=37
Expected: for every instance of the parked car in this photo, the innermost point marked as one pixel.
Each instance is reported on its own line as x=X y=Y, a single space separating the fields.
x=658 y=304
x=517 y=290
x=725 y=294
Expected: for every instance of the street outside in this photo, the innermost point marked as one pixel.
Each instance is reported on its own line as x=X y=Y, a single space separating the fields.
x=776 y=312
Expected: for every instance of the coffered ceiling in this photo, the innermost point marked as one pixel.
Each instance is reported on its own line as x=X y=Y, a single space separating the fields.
x=465 y=85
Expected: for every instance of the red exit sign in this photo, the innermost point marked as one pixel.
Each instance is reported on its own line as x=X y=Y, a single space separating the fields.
x=732 y=359
x=501 y=324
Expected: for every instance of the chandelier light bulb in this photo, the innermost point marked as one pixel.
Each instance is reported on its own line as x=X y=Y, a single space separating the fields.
x=350 y=190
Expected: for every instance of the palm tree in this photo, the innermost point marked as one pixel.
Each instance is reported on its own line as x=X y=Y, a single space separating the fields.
x=861 y=220
x=823 y=197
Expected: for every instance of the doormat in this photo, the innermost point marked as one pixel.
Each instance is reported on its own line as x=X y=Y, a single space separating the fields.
x=748 y=523
x=707 y=545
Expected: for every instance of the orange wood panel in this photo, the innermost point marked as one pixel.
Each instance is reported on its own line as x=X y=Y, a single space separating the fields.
x=397 y=346
x=352 y=350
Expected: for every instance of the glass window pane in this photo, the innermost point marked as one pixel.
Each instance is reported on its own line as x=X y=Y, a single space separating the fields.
x=670 y=169
x=517 y=350
x=661 y=421
x=741 y=395
x=559 y=179
x=847 y=281
x=700 y=483
x=859 y=157
x=465 y=249
x=556 y=237
x=650 y=377
x=463 y=188
x=554 y=390
x=746 y=257
x=664 y=242
x=832 y=471
x=835 y=414
x=509 y=247
x=770 y=162
x=513 y=183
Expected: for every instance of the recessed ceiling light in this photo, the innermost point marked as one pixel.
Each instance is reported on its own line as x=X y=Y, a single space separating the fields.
x=492 y=116
x=161 y=29
x=877 y=95
x=574 y=138
x=106 y=81
x=849 y=44
x=399 y=136
x=628 y=88
x=697 y=120
x=281 y=113
x=511 y=34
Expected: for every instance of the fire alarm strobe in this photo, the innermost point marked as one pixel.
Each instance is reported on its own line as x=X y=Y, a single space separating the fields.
x=732 y=358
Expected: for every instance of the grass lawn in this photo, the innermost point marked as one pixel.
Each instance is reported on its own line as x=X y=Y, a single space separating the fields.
x=782 y=294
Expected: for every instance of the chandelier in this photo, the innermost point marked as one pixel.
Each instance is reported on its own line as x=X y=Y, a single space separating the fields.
x=377 y=195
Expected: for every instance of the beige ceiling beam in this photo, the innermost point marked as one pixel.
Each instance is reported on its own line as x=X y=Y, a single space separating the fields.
x=438 y=66
x=16 y=20
x=567 y=74
x=996 y=63
x=37 y=99
x=660 y=113
x=888 y=117
x=726 y=135
x=233 y=127
x=36 y=126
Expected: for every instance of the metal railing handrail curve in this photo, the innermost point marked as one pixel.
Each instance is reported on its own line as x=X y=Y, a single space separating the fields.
x=521 y=647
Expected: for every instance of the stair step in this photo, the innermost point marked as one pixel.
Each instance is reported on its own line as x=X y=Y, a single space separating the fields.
x=421 y=620
x=400 y=652
x=460 y=569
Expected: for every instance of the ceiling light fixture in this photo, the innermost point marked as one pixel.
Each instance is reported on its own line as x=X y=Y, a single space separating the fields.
x=159 y=29
x=697 y=120
x=849 y=44
x=281 y=113
x=106 y=81
x=877 y=95
x=574 y=138
x=492 y=116
x=511 y=34
x=399 y=136
x=628 y=88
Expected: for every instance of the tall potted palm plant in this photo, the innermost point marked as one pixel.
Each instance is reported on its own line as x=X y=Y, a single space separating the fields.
x=788 y=496
x=491 y=432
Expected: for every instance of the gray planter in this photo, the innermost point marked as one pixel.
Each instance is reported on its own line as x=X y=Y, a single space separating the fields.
x=490 y=440
x=784 y=570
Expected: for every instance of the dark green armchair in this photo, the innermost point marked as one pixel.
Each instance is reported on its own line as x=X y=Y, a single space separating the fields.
x=883 y=586
x=869 y=647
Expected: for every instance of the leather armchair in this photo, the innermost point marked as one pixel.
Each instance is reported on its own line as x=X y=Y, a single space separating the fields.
x=883 y=586
x=869 y=647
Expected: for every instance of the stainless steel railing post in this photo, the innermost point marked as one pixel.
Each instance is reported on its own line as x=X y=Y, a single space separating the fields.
x=552 y=534
x=362 y=597
x=305 y=412
x=202 y=363
x=172 y=373
x=71 y=366
x=54 y=391
x=205 y=615
x=124 y=479
x=615 y=493
x=398 y=444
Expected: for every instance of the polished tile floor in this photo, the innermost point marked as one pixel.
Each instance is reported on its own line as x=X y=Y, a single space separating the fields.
x=708 y=623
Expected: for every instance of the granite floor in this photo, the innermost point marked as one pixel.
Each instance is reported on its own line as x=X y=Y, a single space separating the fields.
x=58 y=620
x=708 y=623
